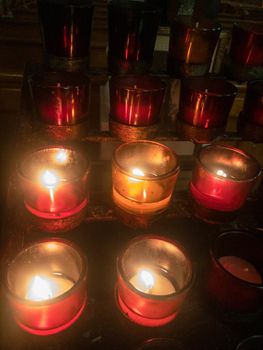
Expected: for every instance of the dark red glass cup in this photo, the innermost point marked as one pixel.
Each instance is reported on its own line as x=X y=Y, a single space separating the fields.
x=251 y=118
x=191 y=46
x=66 y=31
x=154 y=277
x=235 y=277
x=60 y=98
x=132 y=33
x=246 y=45
x=205 y=104
x=136 y=100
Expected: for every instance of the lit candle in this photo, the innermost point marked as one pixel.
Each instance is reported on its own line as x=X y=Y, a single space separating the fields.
x=46 y=286
x=144 y=174
x=152 y=282
x=54 y=181
x=154 y=276
x=240 y=268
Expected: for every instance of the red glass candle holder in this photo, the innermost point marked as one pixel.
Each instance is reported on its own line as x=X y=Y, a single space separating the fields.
x=235 y=277
x=191 y=46
x=222 y=179
x=132 y=34
x=135 y=104
x=250 y=122
x=66 y=31
x=54 y=185
x=154 y=277
x=204 y=108
x=46 y=286
x=144 y=174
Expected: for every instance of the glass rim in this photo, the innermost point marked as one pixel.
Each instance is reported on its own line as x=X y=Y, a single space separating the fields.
x=146 y=178
x=82 y=275
x=160 y=85
x=175 y=243
x=246 y=340
x=231 y=88
x=204 y=25
x=136 y=5
x=86 y=163
x=68 y=80
x=235 y=150
x=216 y=260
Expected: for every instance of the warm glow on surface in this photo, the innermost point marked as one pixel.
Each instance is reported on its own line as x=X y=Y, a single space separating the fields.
x=147 y=280
x=61 y=156
x=40 y=288
x=221 y=173
x=137 y=172
x=51 y=246
x=49 y=179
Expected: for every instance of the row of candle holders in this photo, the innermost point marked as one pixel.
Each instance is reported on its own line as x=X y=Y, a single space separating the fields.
x=46 y=283
x=132 y=32
x=61 y=101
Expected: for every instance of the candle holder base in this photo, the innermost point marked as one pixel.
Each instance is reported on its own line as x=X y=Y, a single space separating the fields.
x=242 y=73
x=63 y=64
x=249 y=131
x=127 y=133
x=179 y=69
x=61 y=132
x=57 y=223
x=197 y=134
x=122 y=67
x=47 y=332
x=139 y=319
x=211 y=216
x=137 y=220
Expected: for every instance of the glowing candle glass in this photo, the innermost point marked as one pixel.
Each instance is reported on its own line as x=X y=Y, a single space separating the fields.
x=54 y=182
x=235 y=278
x=204 y=107
x=46 y=286
x=191 y=46
x=60 y=98
x=223 y=177
x=135 y=25
x=144 y=174
x=154 y=277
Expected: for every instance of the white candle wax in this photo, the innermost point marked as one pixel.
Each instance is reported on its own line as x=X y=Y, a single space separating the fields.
x=240 y=268
x=47 y=287
x=152 y=282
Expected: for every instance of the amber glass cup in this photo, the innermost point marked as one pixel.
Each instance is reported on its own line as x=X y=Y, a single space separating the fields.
x=132 y=33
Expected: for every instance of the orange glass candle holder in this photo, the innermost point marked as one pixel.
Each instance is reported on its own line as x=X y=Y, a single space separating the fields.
x=154 y=277
x=235 y=276
x=144 y=174
x=222 y=179
x=54 y=185
x=46 y=286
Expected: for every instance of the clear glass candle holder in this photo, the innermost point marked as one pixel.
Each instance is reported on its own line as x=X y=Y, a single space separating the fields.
x=191 y=46
x=250 y=122
x=154 y=277
x=144 y=174
x=222 y=178
x=66 y=31
x=54 y=182
x=204 y=107
x=255 y=342
x=60 y=99
x=135 y=25
x=46 y=286
x=235 y=277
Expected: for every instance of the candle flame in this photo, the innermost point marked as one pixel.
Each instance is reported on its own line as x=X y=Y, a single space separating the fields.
x=147 y=279
x=40 y=289
x=61 y=156
x=221 y=173
x=49 y=179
